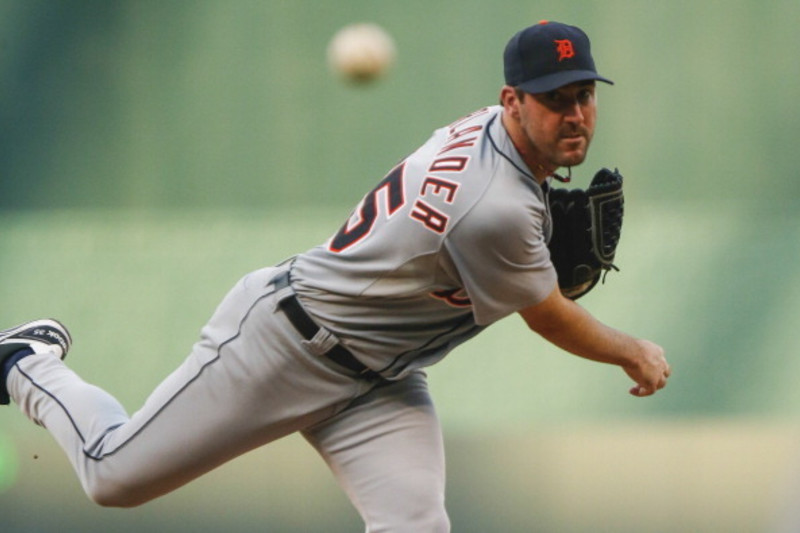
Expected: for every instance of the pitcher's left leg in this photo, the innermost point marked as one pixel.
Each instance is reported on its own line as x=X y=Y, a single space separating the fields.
x=248 y=381
x=386 y=451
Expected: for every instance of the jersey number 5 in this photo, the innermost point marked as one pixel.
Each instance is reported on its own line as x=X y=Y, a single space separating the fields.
x=351 y=233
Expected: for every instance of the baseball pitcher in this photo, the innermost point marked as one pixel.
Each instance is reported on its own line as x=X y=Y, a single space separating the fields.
x=332 y=343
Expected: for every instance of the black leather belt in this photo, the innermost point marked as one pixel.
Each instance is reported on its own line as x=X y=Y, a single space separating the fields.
x=306 y=326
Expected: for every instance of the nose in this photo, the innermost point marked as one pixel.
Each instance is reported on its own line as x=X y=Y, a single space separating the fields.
x=574 y=112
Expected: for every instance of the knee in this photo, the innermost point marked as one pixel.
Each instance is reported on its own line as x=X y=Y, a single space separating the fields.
x=116 y=495
x=414 y=504
x=431 y=517
x=423 y=510
x=432 y=521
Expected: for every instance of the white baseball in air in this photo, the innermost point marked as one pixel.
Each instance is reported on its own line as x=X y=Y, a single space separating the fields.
x=361 y=52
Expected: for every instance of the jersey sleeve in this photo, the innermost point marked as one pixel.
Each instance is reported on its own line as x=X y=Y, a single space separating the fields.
x=499 y=253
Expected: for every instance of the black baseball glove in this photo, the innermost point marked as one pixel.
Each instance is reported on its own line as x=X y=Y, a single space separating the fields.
x=586 y=230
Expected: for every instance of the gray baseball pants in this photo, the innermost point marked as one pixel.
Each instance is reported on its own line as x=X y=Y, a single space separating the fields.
x=249 y=380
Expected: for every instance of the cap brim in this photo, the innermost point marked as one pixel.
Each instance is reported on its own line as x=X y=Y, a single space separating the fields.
x=559 y=79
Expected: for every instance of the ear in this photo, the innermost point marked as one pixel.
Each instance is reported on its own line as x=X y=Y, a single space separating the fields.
x=509 y=100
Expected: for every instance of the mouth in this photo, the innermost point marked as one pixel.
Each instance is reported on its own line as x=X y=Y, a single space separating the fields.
x=573 y=134
x=573 y=138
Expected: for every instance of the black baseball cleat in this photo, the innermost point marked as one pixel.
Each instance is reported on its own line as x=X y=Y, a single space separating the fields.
x=39 y=336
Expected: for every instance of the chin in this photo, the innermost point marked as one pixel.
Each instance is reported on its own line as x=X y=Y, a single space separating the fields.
x=572 y=161
x=574 y=157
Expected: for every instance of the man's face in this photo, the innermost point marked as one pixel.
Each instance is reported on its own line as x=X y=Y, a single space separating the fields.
x=559 y=125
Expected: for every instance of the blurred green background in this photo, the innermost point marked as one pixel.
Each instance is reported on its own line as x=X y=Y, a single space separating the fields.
x=153 y=151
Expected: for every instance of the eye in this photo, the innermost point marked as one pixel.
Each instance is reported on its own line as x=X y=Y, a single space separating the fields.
x=553 y=96
x=585 y=96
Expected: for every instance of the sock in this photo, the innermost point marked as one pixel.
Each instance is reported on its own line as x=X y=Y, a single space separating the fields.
x=8 y=364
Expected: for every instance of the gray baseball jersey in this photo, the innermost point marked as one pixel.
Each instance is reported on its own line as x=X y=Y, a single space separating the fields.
x=451 y=240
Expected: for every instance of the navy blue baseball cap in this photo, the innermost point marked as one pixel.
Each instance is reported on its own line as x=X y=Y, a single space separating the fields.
x=549 y=55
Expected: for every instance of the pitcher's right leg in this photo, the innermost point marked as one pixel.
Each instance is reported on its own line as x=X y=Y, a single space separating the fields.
x=386 y=451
